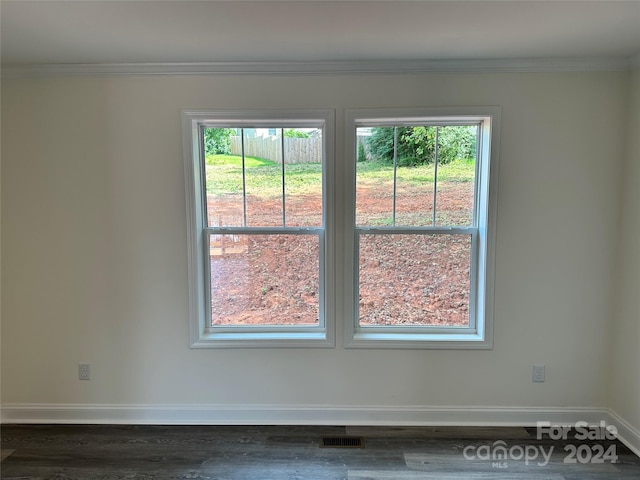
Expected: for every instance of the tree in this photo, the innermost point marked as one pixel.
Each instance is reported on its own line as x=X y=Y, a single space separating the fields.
x=423 y=141
x=217 y=142
x=416 y=145
x=293 y=133
x=457 y=142
x=381 y=143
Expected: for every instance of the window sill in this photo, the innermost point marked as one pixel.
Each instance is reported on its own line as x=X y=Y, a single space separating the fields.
x=426 y=341
x=270 y=339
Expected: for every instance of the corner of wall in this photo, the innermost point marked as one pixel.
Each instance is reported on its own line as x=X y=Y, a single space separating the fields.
x=624 y=347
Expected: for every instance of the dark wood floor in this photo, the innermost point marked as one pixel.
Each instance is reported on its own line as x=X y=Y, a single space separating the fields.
x=293 y=452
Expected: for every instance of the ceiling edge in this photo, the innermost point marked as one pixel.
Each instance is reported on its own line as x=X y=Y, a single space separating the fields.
x=325 y=68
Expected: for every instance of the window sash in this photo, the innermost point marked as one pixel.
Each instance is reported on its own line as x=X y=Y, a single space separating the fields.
x=203 y=175
x=472 y=328
x=424 y=122
x=266 y=329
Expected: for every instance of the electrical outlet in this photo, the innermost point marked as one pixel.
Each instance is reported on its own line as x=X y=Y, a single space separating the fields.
x=538 y=373
x=84 y=371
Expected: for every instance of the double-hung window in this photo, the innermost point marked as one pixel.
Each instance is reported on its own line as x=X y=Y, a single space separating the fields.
x=394 y=241
x=421 y=227
x=259 y=227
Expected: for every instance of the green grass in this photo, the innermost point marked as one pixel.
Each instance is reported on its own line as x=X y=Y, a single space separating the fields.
x=236 y=161
x=263 y=177
x=456 y=171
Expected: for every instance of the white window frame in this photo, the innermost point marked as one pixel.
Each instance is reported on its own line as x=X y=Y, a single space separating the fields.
x=202 y=334
x=479 y=334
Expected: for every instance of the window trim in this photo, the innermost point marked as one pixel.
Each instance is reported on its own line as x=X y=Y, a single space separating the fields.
x=202 y=335
x=482 y=245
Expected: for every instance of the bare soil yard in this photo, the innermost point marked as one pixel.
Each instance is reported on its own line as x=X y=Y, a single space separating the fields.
x=404 y=279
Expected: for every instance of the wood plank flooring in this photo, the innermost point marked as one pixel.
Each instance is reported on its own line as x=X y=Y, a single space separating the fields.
x=113 y=452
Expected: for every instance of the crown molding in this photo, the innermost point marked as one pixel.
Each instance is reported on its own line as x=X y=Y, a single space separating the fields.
x=324 y=68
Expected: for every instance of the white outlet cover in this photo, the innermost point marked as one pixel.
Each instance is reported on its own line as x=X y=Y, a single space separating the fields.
x=538 y=373
x=84 y=371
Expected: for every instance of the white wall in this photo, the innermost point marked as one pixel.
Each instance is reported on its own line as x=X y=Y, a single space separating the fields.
x=94 y=246
x=625 y=368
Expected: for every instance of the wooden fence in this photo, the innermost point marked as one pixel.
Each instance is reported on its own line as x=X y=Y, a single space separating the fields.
x=296 y=150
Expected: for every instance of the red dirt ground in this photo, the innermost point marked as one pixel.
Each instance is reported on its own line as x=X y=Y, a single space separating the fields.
x=404 y=279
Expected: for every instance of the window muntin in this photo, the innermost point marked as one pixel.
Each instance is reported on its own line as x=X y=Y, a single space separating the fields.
x=423 y=247
x=258 y=228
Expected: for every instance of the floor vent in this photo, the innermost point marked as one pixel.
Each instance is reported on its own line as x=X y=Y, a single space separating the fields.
x=342 y=442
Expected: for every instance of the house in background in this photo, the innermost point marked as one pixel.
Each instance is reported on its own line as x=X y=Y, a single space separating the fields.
x=94 y=230
x=260 y=132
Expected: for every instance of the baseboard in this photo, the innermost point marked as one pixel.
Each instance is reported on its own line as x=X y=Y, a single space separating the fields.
x=295 y=415
x=627 y=433
x=316 y=415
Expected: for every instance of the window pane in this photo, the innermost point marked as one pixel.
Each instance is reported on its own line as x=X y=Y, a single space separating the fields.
x=223 y=173
x=374 y=181
x=264 y=279
x=415 y=174
x=414 y=195
x=456 y=175
x=303 y=177
x=263 y=178
x=414 y=279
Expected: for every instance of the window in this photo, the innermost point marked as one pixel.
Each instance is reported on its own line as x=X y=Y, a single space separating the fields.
x=421 y=227
x=394 y=242
x=259 y=227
